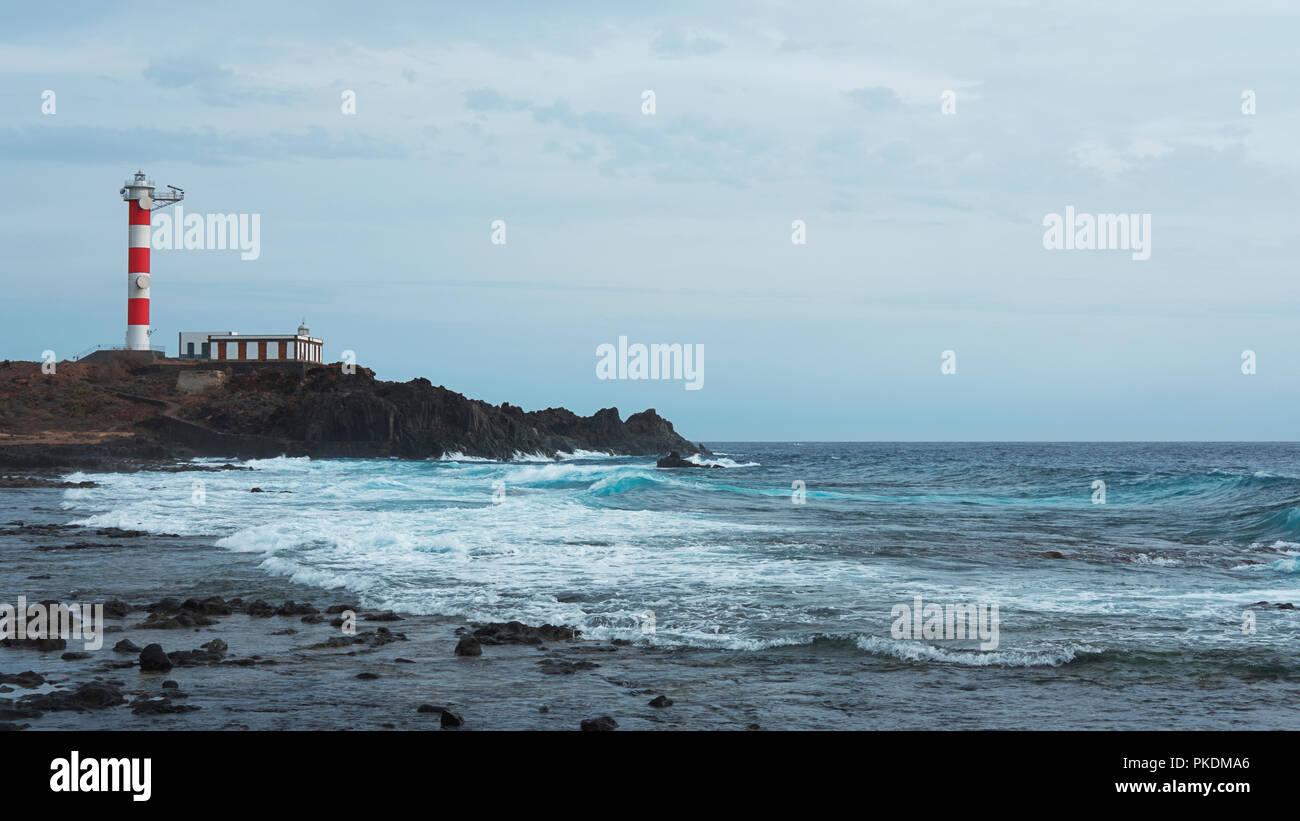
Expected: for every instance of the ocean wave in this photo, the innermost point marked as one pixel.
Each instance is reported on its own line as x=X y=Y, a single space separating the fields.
x=280 y=463
x=459 y=456
x=624 y=483
x=1287 y=565
x=723 y=461
x=920 y=651
x=585 y=454
x=1158 y=561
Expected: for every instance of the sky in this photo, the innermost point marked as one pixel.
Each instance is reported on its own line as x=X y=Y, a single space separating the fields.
x=920 y=145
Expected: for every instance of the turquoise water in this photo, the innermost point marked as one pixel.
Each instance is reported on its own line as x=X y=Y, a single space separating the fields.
x=1158 y=579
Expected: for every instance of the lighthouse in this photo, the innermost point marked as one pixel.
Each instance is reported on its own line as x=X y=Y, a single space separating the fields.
x=140 y=203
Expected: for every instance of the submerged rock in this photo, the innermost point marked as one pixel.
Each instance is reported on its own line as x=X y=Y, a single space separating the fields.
x=513 y=632
x=94 y=695
x=602 y=724
x=560 y=667
x=675 y=460
x=26 y=678
x=447 y=719
x=469 y=646
x=159 y=705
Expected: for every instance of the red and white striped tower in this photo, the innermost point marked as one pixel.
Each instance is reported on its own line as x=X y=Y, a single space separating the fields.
x=140 y=203
x=138 y=194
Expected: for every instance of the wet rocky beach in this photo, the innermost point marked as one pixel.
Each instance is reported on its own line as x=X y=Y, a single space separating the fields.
x=203 y=638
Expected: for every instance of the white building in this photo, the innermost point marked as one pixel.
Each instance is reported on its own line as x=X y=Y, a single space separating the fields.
x=232 y=346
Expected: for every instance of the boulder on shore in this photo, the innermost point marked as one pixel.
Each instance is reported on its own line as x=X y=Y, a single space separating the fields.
x=154 y=660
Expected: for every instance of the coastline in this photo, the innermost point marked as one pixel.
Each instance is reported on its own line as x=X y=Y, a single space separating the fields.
x=280 y=672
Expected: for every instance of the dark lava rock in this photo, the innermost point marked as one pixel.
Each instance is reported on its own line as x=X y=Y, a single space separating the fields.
x=256 y=490
x=126 y=646
x=559 y=667
x=450 y=720
x=387 y=615
x=334 y=609
x=24 y=679
x=37 y=530
x=371 y=638
x=469 y=646
x=170 y=685
x=94 y=695
x=513 y=632
x=159 y=705
x=675 y=460
x=172 y=614
x=178 y=621
x=44 y=645
x=447 y=720
x=261 y=609
x=31 y=481
x=115 y=609
x=661 y=701
x=211 y=606
x=312 y=618
x=1052 y=554
x=10 y=727
x=400 y=660
x=208 y=653
x=367 y=676
x=74 y=656
x=153 y=659
x=291 y=609
x=329 y=413
x=602 y=724
x=119 y=533
x=1285 y=606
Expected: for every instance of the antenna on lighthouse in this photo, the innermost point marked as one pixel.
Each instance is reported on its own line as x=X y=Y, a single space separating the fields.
x=140 y=201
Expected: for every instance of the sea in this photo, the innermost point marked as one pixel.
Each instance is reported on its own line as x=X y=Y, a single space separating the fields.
x=1126 y=585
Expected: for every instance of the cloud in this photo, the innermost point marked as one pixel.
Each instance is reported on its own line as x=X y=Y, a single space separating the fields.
x=73 y=144
x=673 y=42
x=877 y=98
x=214 y=84
x=489 y=99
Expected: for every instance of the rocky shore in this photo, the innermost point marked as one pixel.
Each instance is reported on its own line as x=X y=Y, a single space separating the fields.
x=199 y=659
x=378 y=675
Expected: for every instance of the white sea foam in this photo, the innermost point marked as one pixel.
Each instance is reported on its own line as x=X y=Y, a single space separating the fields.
x=459 y=456
x=1158 y=561
x=427 y=537
x=725 y=462
x=920 y=651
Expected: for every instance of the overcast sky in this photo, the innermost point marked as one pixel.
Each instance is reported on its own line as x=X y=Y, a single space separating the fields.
x=924 y=229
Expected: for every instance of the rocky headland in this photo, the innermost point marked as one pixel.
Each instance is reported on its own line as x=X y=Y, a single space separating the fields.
x=106 y=416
